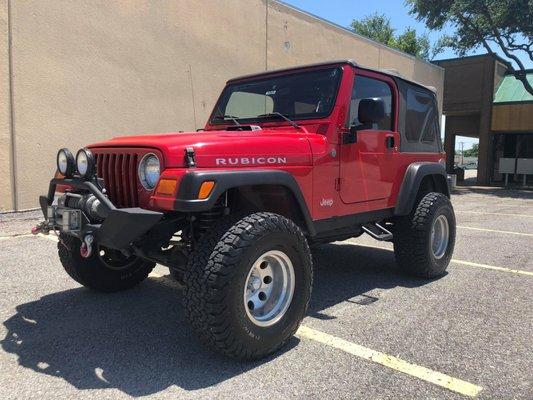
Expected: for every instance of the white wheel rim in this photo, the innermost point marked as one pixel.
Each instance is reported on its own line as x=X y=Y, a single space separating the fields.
x=440 y=236
x=269 y=288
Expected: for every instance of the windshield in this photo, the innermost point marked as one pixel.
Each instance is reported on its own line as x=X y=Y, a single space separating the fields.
x=302 y=95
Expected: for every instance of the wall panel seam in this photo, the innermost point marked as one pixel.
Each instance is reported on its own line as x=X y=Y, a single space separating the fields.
x=12 y=149
x=266 y=35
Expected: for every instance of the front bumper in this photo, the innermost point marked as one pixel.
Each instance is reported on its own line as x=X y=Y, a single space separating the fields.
x=120 y=227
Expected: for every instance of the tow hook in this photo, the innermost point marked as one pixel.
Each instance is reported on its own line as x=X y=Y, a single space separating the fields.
x=41 y=228
x=86 y=248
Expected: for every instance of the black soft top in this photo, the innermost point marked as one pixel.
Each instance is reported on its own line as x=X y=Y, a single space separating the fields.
x=390 y=72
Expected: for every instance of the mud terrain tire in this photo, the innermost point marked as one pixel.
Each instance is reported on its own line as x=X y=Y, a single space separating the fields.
x=93 y=273
x=413 y=243
x=218 y=273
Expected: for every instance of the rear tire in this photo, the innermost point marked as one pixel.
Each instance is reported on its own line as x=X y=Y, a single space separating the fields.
x=94 y=273
x=224 y=294
x=424 y=241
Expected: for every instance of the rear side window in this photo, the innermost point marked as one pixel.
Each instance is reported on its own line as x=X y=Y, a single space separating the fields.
x=364 y=88
x=420 y=123
x=418 y=119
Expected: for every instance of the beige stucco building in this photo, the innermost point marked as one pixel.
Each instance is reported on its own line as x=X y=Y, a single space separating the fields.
x=72 y=73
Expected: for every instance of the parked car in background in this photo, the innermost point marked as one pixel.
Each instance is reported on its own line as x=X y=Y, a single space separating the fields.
x=469 y=165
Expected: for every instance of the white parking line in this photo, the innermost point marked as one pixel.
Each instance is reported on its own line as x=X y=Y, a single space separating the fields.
x=494 y=213
x=423 y=373
x=495 y=231
x=493 y=267
x=25 y=235
x=461 y=262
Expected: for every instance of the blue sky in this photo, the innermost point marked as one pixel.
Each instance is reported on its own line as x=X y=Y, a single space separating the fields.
x=342 y=12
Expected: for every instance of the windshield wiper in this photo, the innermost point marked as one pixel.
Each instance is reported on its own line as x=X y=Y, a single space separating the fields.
x=226 y=117
x=280 y=115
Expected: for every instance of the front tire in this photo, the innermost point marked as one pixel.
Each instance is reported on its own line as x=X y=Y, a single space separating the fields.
x=424 y=241
x=105 y=270
x=248 y=285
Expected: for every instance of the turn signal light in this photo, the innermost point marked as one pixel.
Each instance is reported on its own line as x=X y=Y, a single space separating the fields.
x=166 y=187
x=205 y=190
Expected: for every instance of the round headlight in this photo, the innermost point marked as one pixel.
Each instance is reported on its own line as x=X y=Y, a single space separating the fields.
x=149 y=171
x=65 y=162
x=85 y=162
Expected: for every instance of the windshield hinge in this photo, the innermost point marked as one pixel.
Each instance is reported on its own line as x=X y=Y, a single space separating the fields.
x=190 y=157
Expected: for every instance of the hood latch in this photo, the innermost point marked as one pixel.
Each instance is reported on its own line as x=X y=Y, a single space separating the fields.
x=190 y=157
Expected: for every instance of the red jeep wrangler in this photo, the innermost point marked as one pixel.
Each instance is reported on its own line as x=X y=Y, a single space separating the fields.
x=287 y=160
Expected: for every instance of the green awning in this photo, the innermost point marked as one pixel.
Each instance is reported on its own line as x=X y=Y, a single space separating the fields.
x=512 y=90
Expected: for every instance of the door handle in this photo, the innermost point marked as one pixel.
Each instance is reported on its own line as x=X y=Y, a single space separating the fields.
x=389 y=142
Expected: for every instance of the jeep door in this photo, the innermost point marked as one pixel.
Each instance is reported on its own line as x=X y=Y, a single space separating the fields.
x=367 y=167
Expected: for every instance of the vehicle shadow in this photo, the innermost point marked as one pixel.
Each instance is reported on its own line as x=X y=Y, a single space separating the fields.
x=345 y=272
x=138 y=341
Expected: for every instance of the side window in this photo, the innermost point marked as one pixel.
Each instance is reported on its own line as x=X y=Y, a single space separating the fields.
x=421 y=117
x=365 y=87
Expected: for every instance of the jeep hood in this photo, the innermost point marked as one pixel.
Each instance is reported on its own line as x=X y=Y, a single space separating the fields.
x=223 y=148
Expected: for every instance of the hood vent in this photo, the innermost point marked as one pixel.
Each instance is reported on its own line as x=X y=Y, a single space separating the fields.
x=244 y=128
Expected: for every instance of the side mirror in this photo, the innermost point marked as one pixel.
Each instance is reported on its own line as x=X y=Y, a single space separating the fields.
x=371 y=110
x=350 y=136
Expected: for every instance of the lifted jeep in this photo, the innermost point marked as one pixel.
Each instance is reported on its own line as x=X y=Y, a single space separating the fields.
x=288 y=159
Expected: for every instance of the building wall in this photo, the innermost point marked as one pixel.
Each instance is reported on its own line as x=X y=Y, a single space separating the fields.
x=468 y=94
x=463 y=85
x=6 y=181
x=512 y=118
x=86 y=71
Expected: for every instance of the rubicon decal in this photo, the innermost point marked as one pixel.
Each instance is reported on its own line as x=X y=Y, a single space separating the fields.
x=250 y=160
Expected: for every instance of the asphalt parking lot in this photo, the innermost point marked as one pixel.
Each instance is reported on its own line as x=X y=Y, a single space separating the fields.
x=370 y=332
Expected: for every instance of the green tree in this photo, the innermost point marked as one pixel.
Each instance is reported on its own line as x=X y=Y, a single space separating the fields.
x=473 y=152
x=410 y=43
x=378 y=27
x=495 y=25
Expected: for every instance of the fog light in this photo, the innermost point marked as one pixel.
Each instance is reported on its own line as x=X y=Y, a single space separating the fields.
x=65 y=162
x=85 y=163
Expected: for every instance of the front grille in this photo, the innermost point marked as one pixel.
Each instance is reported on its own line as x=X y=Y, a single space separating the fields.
x=119 y=172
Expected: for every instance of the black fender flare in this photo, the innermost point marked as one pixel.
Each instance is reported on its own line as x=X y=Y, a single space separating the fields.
x=187 y=197
x=411 y=183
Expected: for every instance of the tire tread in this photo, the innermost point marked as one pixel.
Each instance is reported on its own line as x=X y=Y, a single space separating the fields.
x=208 y=277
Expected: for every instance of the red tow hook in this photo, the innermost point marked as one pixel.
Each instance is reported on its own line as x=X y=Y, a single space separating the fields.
x=86 y=248
x=41 y=228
